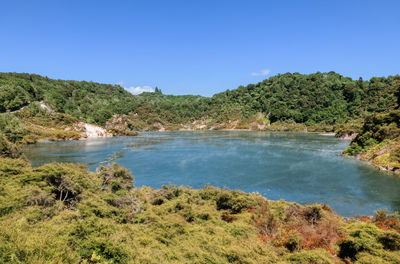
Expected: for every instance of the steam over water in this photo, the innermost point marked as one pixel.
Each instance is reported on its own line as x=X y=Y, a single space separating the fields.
x=300 y=167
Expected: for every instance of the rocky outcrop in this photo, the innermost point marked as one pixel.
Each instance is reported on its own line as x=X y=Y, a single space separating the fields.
x=91 y=131
x=159 y=126
x=347 y=135
x=42 y=105
x=129 y=125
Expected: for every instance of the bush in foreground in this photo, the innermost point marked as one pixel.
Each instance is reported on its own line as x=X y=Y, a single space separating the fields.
x=62 y=213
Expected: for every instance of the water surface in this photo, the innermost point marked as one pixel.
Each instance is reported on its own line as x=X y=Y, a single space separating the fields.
x=300 y=167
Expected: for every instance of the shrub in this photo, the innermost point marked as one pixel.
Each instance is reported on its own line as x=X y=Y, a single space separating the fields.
x=115 y=177
x=166 y=193
x=91 y=235
x=227 y=217
x=8 y=149
x=11 y=127
x=353 y=149
x=265 y=221
x=390 y=240
x=234 y=201
x=312 y=214
x=316 y=256
x=36 y=196
x=65 y=181
x=387 y=221
x=294 y=242
x=362 y=238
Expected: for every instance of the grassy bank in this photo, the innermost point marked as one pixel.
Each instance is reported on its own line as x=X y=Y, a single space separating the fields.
x=62 y=213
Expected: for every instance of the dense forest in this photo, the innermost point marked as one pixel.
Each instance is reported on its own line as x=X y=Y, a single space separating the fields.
x=315 y=98
x=319 y=98
x=89 y=101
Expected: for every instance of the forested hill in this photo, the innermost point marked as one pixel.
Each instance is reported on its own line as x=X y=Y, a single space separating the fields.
x=44 y=108
x=319 y=98
x=315 y=98
x=90 y=101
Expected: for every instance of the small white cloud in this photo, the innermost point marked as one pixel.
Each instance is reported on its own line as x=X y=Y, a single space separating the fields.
x=139 y=89
x=120 y=83
x=261 y=73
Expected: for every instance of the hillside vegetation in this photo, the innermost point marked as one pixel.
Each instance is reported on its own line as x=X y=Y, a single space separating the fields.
x=326 y=100
x=379 y=141
x=33 y=107
x=89 y=101
x=62 y=213
x=319 y=98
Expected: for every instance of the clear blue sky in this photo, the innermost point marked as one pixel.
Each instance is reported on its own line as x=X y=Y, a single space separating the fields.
x=198 y=47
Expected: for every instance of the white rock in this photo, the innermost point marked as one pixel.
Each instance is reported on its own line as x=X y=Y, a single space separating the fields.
x=44 y=106
x=93 y=131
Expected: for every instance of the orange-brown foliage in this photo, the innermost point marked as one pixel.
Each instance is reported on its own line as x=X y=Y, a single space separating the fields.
x=363 y=218
x=313 y=230
x=327 y=208
x=264 y=220
x=227 y=217
x=323 y=235
x=389 y=223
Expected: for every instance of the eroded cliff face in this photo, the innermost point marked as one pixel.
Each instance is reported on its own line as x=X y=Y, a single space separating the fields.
x=348 y=135
x=91 y=131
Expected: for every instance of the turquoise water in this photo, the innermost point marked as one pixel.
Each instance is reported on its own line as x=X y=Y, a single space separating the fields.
x=300 y=167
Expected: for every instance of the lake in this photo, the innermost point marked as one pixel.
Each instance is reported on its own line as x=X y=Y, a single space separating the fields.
x=299 y=167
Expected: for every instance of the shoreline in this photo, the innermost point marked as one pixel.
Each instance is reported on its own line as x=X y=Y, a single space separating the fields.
x=388 y=171
x=225 y=188
x=357 y=157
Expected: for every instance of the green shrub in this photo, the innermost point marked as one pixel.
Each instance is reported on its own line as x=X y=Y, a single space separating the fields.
x=294 y=242
x=363 y=237
x=115 y=177
x=8 y=149
x=353 y=149
x=318 y=256
x=390 y=240
x=234 y=201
